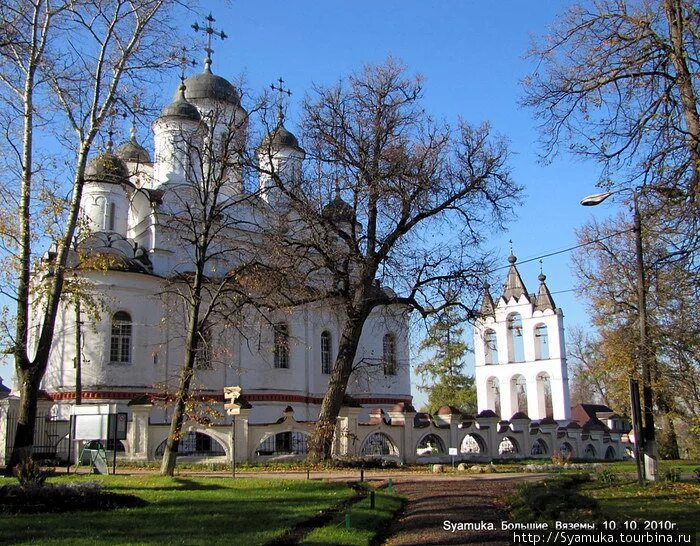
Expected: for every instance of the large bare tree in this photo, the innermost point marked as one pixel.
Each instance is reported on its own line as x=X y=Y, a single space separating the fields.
x=617 y=80
x=206 y=219
x=390 y=211
x=64 y=65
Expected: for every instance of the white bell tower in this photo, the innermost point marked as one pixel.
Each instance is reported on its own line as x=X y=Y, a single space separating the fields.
x=520 y=353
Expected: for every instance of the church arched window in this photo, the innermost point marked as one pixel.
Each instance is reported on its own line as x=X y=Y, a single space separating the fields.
x=203 y=354
x=389 y=354
x=516 y=348
x=490 y=347
x=120 y=342
x=281 y=343
x=325 y=352
x=541 y=342
x=108 y=215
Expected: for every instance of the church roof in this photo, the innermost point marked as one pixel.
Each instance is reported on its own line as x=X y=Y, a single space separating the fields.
x=280 y=137
x=487 y=305
x=339 y=210
x=132 y=151
x=544 y=296
x=180 y=107
x=210 y=86
x=107 y=167
x=514 y=286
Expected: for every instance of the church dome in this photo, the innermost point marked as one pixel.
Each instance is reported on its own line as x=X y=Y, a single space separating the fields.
x=133 y=152
x=107 y=167
x=181 y=107
x=338 y=210
x=210 y=86
x=280 y=138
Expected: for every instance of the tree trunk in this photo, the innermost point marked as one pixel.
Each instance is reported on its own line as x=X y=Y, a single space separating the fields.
x=321 y=443
x=29 y=382
x=167 y=467
x=684 y=80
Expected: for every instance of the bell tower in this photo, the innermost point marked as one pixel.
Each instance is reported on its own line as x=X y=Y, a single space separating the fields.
x=520 y=353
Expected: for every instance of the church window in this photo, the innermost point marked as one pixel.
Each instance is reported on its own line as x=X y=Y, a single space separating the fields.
x=109 y=214
x=202 y=358
x=389 y=354
x=541 y=342
x=120 y=344
x=490 y=347
x=516 y=348
x=326 y=352
x=281 y=342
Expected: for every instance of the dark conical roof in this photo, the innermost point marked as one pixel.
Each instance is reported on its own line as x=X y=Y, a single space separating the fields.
x=339 y=210
x=514 y=287
x=544 y=296
x=107 y=167
x=487 y=305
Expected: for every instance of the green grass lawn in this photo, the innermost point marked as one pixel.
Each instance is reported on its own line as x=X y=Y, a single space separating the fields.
x=676 y=502
x=365 y=523
x=181 y=511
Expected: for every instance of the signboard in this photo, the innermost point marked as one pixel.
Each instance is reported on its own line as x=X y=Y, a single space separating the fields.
x=231 y=394
x=453 y=451
x=91 y=427
x=118 y=429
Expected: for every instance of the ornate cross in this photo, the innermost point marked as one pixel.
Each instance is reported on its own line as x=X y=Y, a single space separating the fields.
x=281 y=91
x=184 y=61
x=209 y=31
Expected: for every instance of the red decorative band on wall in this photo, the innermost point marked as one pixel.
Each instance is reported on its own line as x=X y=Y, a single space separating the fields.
x=250 y=397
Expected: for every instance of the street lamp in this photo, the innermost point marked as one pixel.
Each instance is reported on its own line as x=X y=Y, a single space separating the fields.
x=648 y=440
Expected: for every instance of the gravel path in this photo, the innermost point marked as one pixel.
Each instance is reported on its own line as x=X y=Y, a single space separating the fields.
x=469 y=500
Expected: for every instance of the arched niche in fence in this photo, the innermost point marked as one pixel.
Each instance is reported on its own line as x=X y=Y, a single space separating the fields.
x=429 y=445
x=473 y=444
x=195 y=444
x=290 y=442
x=378 y=444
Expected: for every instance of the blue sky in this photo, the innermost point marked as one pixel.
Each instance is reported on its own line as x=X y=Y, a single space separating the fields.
x=471 y=54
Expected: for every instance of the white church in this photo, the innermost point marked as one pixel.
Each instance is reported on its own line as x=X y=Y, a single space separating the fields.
x=129 y=358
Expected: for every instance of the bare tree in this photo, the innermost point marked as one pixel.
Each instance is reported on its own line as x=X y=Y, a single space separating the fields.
x=64 y=65
x=617 y=80
x=390 y=211
x=205 y=217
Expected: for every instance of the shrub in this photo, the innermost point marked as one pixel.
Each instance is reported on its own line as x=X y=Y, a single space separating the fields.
x=672 y=475
x=553 y=499
x=29 y=473
x=560 y=458
x=607 y=477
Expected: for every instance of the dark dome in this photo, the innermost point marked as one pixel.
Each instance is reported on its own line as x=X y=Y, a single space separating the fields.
x=107 y=167
x=338 y=210
x=181 y=108
x=210 y=86
x=280 y=138
x=133 y=152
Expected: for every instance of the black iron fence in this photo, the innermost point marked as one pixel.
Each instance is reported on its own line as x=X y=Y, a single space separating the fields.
x=47 y=435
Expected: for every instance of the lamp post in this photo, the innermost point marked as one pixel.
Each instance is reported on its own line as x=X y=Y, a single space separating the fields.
x=648 y=440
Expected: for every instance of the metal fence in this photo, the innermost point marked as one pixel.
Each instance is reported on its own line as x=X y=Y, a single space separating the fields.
x=47 y=435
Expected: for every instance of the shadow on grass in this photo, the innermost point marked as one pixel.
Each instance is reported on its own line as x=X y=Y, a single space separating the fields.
x=190 y=511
